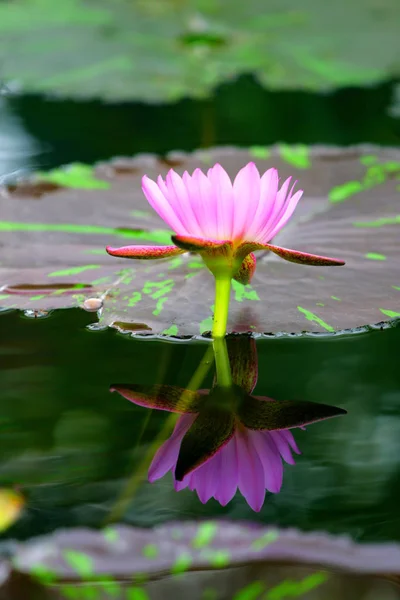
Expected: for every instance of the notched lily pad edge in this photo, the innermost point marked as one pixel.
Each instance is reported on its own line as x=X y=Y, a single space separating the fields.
x=368 y=328
x=206 y=336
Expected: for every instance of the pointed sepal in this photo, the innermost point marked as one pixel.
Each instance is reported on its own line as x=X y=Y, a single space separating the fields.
x=304 y=258
x=144 y=252
x=295 y=256
x=193 y=244
x=272 y=415
x=247 y=269
x=160 y=397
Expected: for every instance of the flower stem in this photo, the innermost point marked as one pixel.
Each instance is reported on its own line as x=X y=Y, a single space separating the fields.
x=221 y=309
x=222 y=364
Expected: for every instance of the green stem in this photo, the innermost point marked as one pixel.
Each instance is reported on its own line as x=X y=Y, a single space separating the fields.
x=221 y=308
x=222 y=364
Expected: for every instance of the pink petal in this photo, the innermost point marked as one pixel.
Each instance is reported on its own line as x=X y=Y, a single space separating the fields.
x=246 y=189
x=268 y=191
x=187 y=482
x=203 y=201
x=206 y=478
x=270 y=459
x=144 y=252
x=286 y=213
x=290 y=439
x=275 y=212
x=283 y=445
x=216 y=478
x=223 y=198
x=180 y=201
x=280 y=199
x=161 y=205
x=167 y=454
x=228 y=475
x=250 y=470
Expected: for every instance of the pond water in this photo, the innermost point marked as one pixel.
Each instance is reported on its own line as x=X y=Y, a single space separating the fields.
x=72 y=447
x=71 y=444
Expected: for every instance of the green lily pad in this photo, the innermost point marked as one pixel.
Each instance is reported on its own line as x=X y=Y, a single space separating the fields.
x=53 y=247
x=162 y=51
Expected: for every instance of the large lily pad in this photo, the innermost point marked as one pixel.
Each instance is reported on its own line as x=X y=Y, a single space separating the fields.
x=210 y=559
x=53 y=240
x=160 y=51
x=240 y=543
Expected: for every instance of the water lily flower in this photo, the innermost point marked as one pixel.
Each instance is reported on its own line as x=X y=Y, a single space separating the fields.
x=226 y=439
x=224 y=222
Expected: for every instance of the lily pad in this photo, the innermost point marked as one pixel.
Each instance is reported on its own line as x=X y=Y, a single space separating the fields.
x=104 y=550
x=162 y=51
x=53 y=247
x=208 y=559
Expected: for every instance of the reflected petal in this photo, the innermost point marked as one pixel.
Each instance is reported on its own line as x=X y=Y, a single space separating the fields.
x=209 y=432
x=250 y=470
x=166 y=456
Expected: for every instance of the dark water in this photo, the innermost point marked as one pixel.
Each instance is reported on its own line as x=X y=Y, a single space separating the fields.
x=71 y=444
x=240 y=113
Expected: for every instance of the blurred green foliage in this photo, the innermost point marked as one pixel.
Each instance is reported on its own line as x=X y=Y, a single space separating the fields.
x=160 y=51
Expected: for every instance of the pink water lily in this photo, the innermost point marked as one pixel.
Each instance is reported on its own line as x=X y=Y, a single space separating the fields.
x=226 y=439
x=224 y=222
x=212 y=216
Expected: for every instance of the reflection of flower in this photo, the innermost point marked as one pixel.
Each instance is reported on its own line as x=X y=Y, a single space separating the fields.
x=226 y=438
x=250 y=461
x=224 y=222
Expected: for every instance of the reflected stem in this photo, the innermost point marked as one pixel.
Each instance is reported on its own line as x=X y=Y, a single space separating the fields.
x=222 y=364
